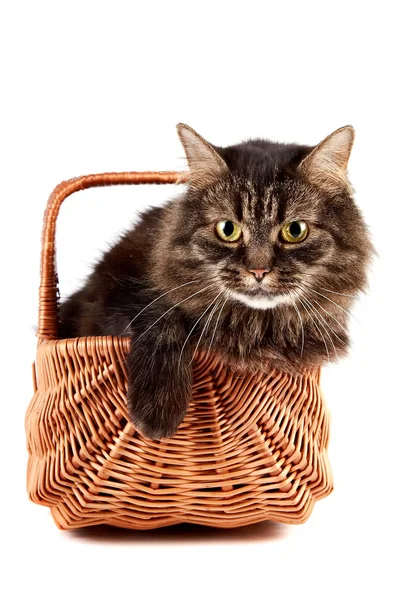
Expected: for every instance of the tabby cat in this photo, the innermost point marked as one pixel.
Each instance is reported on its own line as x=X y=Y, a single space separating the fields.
x=257 y=261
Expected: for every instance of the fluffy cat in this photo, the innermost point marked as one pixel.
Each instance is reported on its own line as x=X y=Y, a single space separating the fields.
x=258 y=261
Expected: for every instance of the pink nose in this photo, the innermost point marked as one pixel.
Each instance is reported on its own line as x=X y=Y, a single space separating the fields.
x=259 y=273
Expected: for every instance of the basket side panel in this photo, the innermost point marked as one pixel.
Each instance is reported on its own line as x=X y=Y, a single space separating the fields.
x=249 y=449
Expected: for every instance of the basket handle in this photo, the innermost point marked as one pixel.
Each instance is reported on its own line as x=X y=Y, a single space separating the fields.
x=48 y=291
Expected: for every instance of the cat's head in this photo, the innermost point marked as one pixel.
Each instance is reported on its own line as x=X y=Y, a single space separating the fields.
x=265 y=224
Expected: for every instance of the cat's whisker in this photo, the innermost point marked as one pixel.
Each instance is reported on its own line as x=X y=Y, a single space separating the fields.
x=345 y=310
x=301 y=323
x=215 y=328
x=172 y=308
x=323 y=322
x=315 y=325
x=329 y=315
x=339 y=293
x=205 y=326
x=158 y=298
x=311 y=302
x=119 y=281
x=194 y=327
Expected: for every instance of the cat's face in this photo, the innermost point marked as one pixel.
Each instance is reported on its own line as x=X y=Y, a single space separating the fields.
x=265 y=230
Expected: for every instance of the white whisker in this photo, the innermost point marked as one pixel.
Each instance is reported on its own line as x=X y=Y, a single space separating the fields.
x=194 y=327
x=205 y=326
x=301 y=323
x=321 y=320
x=315 y=324
x=345 y=310
x=338 y=293
x=215 y=328
x=172 y=308
x=158 y=298
x=329 y=315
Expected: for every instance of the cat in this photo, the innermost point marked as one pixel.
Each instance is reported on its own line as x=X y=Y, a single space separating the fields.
x=258 y=262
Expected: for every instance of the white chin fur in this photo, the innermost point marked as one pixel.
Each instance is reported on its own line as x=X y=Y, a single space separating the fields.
x=261 y=303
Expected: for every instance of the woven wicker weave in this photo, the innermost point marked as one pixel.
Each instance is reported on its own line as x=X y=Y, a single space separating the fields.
x=249 y=449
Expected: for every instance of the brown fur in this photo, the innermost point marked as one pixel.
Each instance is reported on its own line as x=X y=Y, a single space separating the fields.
x=261 y=186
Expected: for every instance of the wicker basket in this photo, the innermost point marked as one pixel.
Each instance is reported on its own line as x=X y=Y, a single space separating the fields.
x=249 y=449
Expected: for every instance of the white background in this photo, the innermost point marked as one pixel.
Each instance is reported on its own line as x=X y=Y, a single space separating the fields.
x=90 y=87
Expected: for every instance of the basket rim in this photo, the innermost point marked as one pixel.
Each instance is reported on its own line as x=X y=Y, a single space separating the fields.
x=122 y=343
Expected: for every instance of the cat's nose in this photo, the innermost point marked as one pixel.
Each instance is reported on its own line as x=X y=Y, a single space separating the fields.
x=259 y=273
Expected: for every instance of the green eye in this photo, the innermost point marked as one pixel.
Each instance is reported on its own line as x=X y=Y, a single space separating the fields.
x=294 y=232
x=228 y=231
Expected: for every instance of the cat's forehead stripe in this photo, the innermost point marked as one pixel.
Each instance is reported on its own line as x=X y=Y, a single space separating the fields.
x=260 y=208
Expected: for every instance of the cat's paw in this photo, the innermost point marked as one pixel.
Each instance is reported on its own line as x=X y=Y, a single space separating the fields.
x=153 y=429
x=157 y=416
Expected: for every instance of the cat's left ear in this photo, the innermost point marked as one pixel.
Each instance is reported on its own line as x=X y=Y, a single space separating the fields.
x=326 y=165
x=206 y=165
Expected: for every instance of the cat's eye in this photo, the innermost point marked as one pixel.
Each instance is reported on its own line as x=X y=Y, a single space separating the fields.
x=294 y=232
x=229 y=231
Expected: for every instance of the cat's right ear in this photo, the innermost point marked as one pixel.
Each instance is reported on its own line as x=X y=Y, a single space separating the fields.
x=326 y=164
x=205 y=164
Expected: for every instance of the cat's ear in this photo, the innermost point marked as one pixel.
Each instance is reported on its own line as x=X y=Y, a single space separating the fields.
x=205 y=164
x=326 y=165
